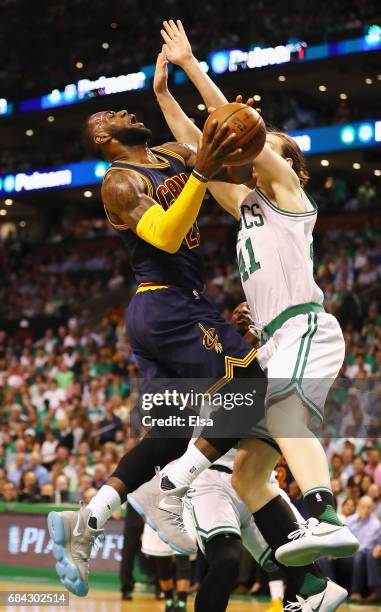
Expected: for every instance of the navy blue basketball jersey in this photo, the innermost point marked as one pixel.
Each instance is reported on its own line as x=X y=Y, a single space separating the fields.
x=165 y=181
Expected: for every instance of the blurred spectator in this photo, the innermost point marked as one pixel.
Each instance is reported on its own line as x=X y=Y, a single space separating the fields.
x=29 y=489
x=47 y=493
x=352 y=571
x=373 y=467
x=348 y=508
x=35 y=465
x=366 y=193
x=9 y=492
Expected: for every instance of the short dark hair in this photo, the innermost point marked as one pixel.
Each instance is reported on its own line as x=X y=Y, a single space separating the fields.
x=290 y=148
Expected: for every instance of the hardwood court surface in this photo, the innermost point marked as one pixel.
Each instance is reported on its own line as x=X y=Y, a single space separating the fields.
x=108 y=601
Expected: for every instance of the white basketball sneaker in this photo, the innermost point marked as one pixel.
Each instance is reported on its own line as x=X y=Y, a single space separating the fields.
x=163 y=510
x=316 y=539
x=326 y=601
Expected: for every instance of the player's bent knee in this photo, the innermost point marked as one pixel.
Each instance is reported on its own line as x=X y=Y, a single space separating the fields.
x=246 y=479
x=238 y=483
x=287 y=417
x=223 y=554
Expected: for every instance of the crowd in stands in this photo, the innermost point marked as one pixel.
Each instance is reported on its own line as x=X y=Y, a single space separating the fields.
x=65 y=32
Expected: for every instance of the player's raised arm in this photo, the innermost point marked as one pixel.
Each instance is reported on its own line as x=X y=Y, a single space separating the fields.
x=179 y=51
x=183 y=129
x=129 y=206
x=279 y=180
x=276 y=175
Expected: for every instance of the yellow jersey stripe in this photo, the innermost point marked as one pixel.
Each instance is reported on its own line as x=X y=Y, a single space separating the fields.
x=153 y=287
x=170 y=152
x=163 y=164
x=230 y=362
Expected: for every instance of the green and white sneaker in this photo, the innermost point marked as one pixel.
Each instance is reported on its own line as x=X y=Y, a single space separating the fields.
x=73 y=541
x=326 y=601
x=316 y=539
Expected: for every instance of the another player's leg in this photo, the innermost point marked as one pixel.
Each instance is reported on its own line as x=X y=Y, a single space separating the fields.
x=223 y=554
x=276 y=588
x=150 y=500
x=74 y=533
x=306 y=586
x=169 y=568
x=324 y=535
x=159 y=500
x=183 y=578
x=302 y=360
x=272 y=513
x=165 y=575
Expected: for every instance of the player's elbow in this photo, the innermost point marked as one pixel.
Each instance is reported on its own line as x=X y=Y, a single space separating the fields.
x=168 y=244
x=172 y=249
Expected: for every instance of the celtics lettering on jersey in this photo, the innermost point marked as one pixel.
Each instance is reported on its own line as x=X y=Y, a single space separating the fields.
x=247 y=263
x=273 y=251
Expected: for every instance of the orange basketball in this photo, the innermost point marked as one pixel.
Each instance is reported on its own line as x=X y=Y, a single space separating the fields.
x=247 y=124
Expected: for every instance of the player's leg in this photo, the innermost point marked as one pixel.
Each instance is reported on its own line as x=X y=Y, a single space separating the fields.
x=210 y=350
x=304 y=584
x=273 y=515
x=133 y=529
x=223 y=554
x=183 y=578
x=308 y=356
x=74 y=533
x=165 y=574
x=276 y=588
x=162 y=554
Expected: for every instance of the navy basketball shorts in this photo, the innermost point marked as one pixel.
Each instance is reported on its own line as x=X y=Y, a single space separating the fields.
x=181 y=342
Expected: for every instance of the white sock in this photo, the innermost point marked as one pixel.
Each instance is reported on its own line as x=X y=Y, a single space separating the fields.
x=186 y=469
x=105 y=502
x=276 y=589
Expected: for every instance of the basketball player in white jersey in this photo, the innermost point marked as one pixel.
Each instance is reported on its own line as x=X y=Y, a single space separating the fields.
x=302 y=346
x=219 y=521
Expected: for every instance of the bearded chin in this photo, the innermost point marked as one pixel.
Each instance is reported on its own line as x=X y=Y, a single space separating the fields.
x=132 y=136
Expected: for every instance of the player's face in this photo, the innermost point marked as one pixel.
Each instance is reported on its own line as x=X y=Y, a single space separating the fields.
x=120 y=119
x=122 y=126
x=275 y=143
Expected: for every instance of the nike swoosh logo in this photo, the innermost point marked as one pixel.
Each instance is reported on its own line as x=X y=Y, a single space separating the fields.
x=326 y=533
x=75 y=530
x=168 y=507
x=319 y=606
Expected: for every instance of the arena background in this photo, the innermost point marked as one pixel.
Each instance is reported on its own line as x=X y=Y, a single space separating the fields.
x=68 y=380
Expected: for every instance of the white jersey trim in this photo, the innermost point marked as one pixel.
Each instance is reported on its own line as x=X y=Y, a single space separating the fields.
x=309 y=213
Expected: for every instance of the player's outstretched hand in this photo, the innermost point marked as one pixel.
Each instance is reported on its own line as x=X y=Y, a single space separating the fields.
x=160 y=79
x=239 y=100
x=216 y=143
x=177 y=46
x=249 y=101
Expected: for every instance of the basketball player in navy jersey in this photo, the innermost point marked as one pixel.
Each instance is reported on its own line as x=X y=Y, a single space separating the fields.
x=152 y=196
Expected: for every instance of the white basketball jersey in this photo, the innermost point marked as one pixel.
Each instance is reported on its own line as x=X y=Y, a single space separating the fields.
x=274 y=250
